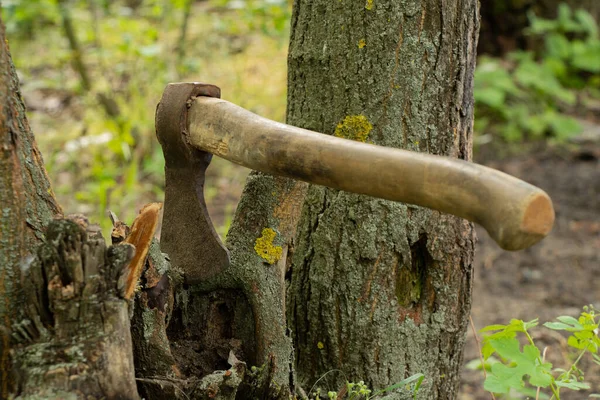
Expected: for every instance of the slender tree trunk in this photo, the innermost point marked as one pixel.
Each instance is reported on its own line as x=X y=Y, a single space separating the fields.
x=382 y=290
x=27 y=201
x=187 y=11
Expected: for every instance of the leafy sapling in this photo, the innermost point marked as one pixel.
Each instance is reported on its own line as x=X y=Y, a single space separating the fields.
x=524 y=369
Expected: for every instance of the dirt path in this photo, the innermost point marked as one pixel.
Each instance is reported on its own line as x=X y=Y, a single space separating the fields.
x=557 y=276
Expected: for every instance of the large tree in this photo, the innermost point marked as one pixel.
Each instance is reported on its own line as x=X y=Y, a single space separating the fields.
x=382 y=290
x=378 y=290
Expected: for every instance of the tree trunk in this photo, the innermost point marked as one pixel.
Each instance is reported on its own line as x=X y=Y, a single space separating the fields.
x=382 y=290
x=27 y=201
x=75 y=341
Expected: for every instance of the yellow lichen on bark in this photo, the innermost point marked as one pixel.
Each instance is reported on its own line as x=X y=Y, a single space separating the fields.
x=265 y=248
x=354 y=127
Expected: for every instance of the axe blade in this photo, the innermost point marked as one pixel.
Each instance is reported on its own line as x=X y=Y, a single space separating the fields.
x=187 y=235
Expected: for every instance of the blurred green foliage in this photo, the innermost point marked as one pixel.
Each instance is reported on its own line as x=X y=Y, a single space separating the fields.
x=528 y=95
x=100 y=160
x=24 y=17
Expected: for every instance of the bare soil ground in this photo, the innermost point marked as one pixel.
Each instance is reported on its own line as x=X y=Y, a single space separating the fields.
x=559 y=275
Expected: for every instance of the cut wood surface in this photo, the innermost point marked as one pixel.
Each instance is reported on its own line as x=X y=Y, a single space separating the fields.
x=515 y=213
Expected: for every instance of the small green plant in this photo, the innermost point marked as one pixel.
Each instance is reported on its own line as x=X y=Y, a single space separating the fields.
x=526 y=96
x=27 y=17
x=571 y=46
x=522 y=103
x=360 y=391
x=524 y=369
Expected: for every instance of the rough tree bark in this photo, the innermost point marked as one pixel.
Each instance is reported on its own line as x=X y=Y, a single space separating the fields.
x=75 y=341
x=27 y=201
x=382 y=290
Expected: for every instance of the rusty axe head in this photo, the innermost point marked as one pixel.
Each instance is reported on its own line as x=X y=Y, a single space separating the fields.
x=188 y=235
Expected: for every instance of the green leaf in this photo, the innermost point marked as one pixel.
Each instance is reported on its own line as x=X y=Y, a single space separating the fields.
x=572 y=384
x=584 y=341
x=496 y=327
x=418 y=385
x=490 y=96
x=490 y=74
x=531 y=324
x=539 y=26
x=537 y=125
x=564 y=127
x=587 y=22
x=571 y=321
x=557 y=326
x=558 y=46
x=404 y=382
x=527 y=363
x=499 y=384
x=586 y=55
x=487 y=350
x=518 y=325
x=418 y=378
x=504 y=331
x=540 y=78
x=564 y=13
x=556 y=66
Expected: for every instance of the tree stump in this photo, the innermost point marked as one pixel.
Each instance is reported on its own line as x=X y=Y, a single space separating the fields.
x=76 y=341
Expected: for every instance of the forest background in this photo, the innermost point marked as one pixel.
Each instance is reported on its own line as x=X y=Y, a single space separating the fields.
x=92 y=72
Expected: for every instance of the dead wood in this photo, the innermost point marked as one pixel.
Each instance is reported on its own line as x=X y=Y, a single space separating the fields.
x=75 y=341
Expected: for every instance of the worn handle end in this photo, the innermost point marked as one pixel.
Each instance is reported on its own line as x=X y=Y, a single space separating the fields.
x=535 y=223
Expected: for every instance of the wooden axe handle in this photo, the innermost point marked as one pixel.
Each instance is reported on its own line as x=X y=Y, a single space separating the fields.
x=515 y=213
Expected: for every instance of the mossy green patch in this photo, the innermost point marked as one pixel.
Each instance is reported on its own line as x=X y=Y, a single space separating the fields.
x=354 y=127
x=265 y=248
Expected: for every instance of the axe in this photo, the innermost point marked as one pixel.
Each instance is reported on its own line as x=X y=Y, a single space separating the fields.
x=193 y=123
